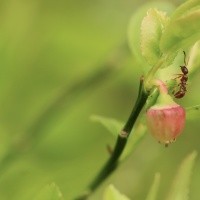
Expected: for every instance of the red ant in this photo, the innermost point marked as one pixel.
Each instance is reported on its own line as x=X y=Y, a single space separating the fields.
x=183 y=80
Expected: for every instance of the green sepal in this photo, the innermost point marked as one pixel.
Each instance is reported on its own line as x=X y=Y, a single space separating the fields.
x=163 y=101
x=153 y=97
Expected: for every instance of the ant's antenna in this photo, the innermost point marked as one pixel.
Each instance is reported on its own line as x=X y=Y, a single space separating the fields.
x=185 y=58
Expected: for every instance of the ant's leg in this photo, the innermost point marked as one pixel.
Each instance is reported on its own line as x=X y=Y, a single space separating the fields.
x=179 y=76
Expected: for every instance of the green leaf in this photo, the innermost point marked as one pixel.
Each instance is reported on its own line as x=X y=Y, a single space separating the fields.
x=194 y=59
x=183 y=8
x=134 y=30
x=154 y=188
x=112 y=125
x=111 y=193
x=180 y=187
x=183 y=29
x=50 y=192
x=152 y=28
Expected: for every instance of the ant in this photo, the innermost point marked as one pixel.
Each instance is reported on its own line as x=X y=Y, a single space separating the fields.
x=183 y=80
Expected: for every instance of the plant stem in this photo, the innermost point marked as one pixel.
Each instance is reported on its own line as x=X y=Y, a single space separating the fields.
x=154 y=70
x=112 y=163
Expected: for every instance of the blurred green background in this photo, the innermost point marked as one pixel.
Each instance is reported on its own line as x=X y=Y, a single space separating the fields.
x=61 y=62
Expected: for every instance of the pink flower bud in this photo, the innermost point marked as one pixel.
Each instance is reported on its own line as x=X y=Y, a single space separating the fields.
x=165 y=120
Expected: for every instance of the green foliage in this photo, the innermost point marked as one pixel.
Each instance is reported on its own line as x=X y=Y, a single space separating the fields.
x=50 y=192
x=112 y=125
x=193 y=60
x=153 y=192
x=112 y=193
x=148 y=38
x=180 y=187
x=58 y=65
x=161 y=37
x=183 y=29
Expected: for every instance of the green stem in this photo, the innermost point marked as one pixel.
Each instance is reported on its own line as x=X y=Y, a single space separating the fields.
x=112 y=163
x=154 y=70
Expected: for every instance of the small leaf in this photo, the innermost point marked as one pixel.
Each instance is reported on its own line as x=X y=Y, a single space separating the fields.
x=112 y=125
x=111 y=193
x=183 y=8
x=180 y=187
x=152 y=28
x=194 y=59
x=134 y=30
x=183 y=29
x=154 y=188
x=50 y=192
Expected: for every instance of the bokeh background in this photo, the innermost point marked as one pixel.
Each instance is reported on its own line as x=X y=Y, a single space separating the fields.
x=60 y=62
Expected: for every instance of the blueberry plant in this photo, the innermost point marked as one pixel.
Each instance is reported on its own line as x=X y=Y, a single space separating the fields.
x=157 y=42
